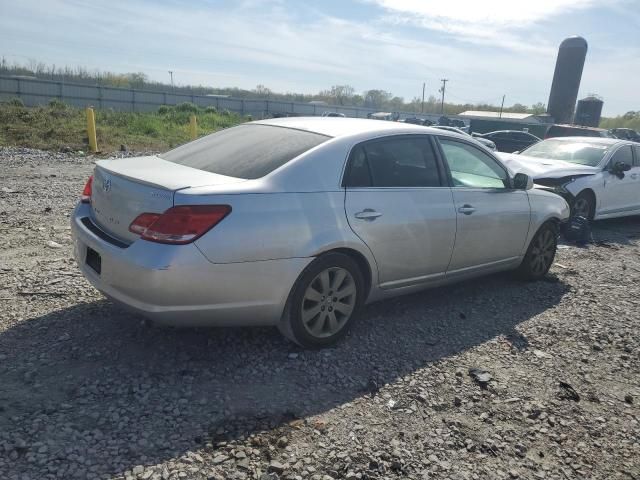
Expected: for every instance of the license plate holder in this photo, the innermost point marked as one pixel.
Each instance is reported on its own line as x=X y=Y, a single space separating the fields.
x=94 y=260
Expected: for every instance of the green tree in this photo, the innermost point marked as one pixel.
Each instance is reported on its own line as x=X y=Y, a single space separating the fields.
x=376 y=98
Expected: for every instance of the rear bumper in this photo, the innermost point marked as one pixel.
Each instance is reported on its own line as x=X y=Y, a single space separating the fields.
x=177 y=285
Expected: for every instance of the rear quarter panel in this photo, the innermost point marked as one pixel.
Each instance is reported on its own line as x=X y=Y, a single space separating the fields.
x=272 y=226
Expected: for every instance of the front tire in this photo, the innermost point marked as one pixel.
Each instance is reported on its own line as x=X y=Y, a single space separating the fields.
x=584 y=205
x=540 y=254
x=323 y=302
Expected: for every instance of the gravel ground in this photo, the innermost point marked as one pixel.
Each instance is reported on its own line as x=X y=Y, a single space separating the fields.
x=493 y=378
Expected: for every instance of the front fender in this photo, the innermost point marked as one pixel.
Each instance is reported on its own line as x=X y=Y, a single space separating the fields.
x=545 y=206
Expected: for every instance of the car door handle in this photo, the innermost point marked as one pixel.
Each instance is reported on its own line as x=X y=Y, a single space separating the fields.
x=368 y=214
x=467 y=209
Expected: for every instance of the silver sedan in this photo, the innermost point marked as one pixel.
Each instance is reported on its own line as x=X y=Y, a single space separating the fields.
x=298 y=222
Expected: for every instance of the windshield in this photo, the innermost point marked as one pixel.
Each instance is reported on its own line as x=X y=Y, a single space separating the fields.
x=582 y=153
x=247 y=151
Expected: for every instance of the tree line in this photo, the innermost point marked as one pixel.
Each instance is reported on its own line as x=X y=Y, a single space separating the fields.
x=342 y=95
x=339 y=95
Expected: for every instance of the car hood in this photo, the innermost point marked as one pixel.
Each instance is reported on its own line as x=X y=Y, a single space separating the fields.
x=543 y=168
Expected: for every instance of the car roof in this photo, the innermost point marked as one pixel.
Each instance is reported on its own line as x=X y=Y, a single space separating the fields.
x=579 y=127
x=344 y=127
x=508 y=131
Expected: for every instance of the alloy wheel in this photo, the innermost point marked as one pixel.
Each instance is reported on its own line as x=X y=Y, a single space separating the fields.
x=328 y=302
x=543 y=252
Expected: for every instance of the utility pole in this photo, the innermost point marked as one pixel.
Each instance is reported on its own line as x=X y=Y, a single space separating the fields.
x=442 y=89
x=171 y=74
x=502 y=106
x=423 y=87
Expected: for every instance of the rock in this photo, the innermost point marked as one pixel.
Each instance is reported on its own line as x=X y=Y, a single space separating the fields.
x=457 y=401
x=541 y=354
x=277 y=467
x=218 y=459
x=481 y=376
x=283 y=442
x=52 y=244
x=293 y=356
x=628 y=399
x=137 y=470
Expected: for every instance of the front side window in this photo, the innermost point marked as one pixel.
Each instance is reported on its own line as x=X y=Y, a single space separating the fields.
x=246 y=151
x=394 y=162
x=624 y=155
x=472 y=168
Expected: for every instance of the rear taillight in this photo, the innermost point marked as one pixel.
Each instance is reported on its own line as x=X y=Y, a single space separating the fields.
x=142 y=222
x=86 y=191
x=179 y=225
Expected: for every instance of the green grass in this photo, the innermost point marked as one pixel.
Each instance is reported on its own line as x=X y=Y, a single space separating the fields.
x=57 y=126
x=624 y=121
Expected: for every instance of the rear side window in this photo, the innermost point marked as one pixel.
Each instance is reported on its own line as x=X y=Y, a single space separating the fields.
x=395 y=162
x=636 y=151
x=245 y=151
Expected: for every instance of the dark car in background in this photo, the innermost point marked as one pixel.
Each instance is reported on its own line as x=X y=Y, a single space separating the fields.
x=484 y=141
x=575 y=131
x=418 y=121
x=510 y=141
x=625 y=134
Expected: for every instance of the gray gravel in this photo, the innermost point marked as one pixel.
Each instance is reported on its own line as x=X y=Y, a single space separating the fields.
x=489 y=379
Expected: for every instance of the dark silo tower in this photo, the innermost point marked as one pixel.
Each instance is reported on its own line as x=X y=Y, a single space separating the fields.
x=566 y=79
x=589 y=111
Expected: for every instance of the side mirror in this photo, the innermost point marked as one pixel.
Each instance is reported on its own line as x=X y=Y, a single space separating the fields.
x=522 y=181
x=619 y=168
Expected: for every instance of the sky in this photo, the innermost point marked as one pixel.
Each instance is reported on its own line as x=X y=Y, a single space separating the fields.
x=486 y=49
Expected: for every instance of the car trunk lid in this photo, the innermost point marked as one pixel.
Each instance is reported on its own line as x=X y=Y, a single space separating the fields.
x=125 y=188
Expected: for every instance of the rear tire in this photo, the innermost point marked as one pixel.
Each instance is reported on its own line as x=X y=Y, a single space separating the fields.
x=584 y=205
x=540 y=254
x=323 y=302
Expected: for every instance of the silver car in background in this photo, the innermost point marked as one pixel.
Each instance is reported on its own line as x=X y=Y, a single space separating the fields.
x=297 y=222
x=484 y=141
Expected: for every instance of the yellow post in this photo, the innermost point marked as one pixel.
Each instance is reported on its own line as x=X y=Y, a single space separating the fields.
x=193 y=127
x=91 y=130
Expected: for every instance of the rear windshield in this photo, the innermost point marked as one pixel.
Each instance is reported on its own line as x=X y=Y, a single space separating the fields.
x=245 y=151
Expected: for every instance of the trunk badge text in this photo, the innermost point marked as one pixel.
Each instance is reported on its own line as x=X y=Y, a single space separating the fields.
x=106 y=185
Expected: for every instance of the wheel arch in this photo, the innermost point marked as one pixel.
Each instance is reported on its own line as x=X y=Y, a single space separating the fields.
x=589 y=191
x=555 y=221
x=361 y=261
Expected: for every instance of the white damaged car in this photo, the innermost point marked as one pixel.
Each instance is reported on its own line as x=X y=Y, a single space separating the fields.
x=599 y=177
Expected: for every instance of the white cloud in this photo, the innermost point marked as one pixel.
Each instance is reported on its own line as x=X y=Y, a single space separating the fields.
x=289 y=49
x=488 y=13
x=505 y=24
